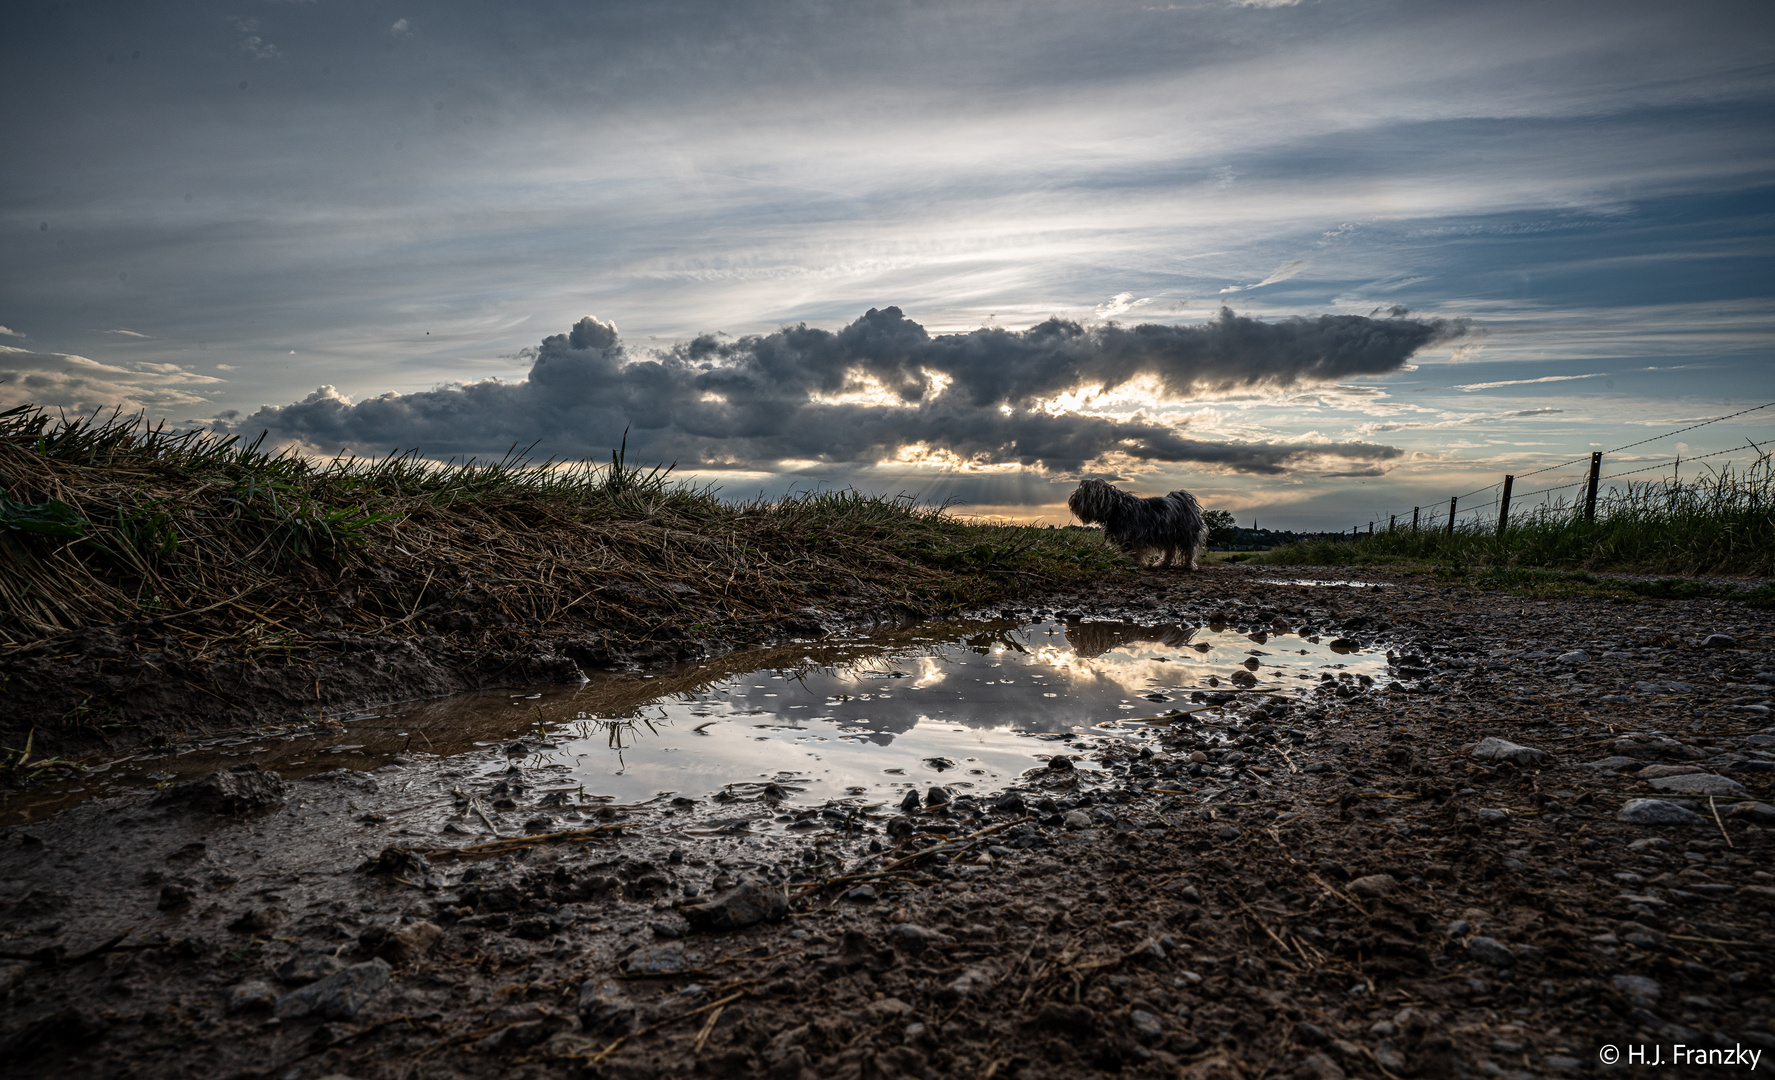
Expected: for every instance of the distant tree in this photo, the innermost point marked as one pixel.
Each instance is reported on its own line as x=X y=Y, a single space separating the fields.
x=1221 y=527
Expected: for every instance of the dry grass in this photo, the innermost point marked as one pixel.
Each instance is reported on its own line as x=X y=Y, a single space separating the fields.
x=106 y=520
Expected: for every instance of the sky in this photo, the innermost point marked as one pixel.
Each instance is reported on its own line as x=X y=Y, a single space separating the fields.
x=1317 y=262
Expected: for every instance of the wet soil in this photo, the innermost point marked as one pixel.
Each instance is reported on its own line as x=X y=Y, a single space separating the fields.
x=1331 y=887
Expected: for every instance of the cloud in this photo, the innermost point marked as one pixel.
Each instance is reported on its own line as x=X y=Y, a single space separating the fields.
x=10 y=333
x=252 y=44
x=401 y=28
x=1470 y=387
x=78 y=384
x=127 y=333
x=1281 y=273
x=881 y=389
x=1119 y=303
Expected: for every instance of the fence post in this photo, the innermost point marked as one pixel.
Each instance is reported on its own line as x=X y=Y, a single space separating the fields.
x=1414 y=518
x=1371 y=528
x=1451 y=514
x=1504 y=504
x=1392 y=522
x=1590 y=492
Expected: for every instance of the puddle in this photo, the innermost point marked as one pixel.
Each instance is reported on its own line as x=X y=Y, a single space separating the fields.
x=966 y=705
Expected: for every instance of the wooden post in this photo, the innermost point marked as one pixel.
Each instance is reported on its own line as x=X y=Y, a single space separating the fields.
x=1392 y=522
x=1414 y=518
x=1590 y=492
x=1451 y=514
x=1371 y=528
x=1504 y=504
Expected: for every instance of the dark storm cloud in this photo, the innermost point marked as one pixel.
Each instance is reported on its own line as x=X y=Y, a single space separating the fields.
x=867 y=392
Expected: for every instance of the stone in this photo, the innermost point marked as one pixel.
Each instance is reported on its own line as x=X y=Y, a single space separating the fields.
x=1494 y=749
x=862 y=894
x=656 y=960
x=604 y=1008
x=1754 y=812
x=1657 y=812
x=1146 y=1025
x=236 y=792
x=969 y=983
x=746 y=904
x=1490 y=951
x=173 y=895
x=1652 y=772
x=1718 y=641
x=1010 y=803
x=1321 y=1067
x=251 y=996
x=339 y=996
x=1576 y=656
x=1639 y=989
x=1374 y=885
x=308 y=967
x=411 y=942
x=914 y=939
x=1697 y=784
x=911 y=802
x=1614 y=763
x=1491 y=815
x=1310 y=1034
x=936 y=796
x=1076 y=819
x=1060 y=763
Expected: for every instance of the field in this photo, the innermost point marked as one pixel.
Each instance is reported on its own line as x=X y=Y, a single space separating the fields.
x=1722 y=523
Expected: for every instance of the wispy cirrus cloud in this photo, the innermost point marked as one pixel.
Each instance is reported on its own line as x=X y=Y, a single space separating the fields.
x=1470 y=387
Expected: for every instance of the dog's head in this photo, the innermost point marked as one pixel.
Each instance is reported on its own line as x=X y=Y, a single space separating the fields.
x=1092 y=501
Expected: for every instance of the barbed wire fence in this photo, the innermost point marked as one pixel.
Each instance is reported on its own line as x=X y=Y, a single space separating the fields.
x=1498 y=506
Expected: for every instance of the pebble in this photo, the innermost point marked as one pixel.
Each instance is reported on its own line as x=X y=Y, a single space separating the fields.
x=338 y=996
x=1697 y=784
x=604 y=1009
x=1657 y=812
x=1076 y=819
x=174 y=895
x=1060 y=763
x=1652 y=772
x=1639 y=989
x=1576 y=656
x=1493 y=816
x=1310 y=1034
x=913 y=938
x=657 y=960
x=910 y=802
x=1754 y=812
x=241 y=790
x=862 y=893
x=250 y=997
x=1146 y=1024
x=1490 y=951
x=1718 y=641
x=308 y=967
x=936 y=796
x=1374 y=885
x=746 y=904
x=1492 y=748
x=1612 y=764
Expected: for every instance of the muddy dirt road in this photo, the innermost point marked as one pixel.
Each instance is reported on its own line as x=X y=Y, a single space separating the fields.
x=1542 y=833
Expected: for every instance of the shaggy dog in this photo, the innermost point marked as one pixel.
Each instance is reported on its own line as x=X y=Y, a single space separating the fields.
x=1139 y=526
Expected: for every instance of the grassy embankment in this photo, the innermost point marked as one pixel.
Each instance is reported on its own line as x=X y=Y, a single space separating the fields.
x=1721 y=524
x=107 y=520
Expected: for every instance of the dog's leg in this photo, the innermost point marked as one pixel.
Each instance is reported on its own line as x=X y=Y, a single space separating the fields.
x=1170 y=556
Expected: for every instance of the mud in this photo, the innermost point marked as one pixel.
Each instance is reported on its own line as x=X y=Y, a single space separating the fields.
x=1335 y=887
